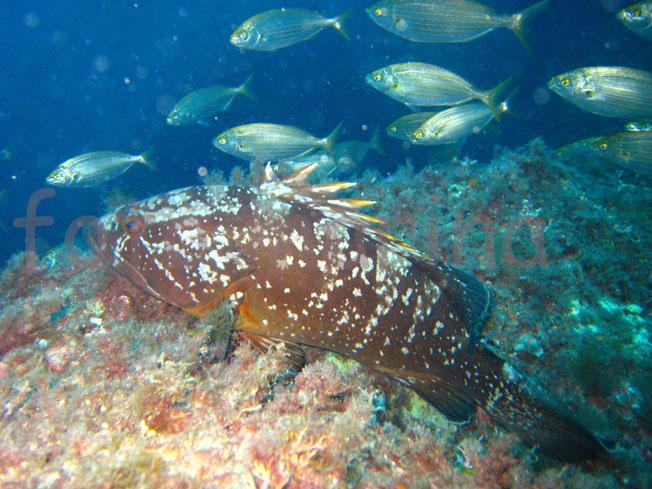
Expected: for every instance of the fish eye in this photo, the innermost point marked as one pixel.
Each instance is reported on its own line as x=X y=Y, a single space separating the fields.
x=378 y=12
x=565 y=82
x=222 y=141
x=377 y=77
x=393 y=129
x=604 y=146
x=133 y=224
x=418 y=135
x=243 y=35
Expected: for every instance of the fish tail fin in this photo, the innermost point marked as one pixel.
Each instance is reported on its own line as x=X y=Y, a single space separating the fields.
x=505 y=105
x=146 y=158
x=539 y=422
x=375 y=142
x=494 y=97
x=331 y=140
x=338 y=22
x=521 y=19
x=245 y=89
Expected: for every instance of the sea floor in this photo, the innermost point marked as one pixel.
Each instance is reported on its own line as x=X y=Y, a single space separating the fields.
x=102 y=386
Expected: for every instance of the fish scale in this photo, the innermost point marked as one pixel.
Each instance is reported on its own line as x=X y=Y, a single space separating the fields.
x=300 y=266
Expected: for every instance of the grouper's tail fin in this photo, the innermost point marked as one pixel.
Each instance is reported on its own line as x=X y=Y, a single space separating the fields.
x=539 y=422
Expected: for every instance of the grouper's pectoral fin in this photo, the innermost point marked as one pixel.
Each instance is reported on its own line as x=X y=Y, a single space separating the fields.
x=457 y=406
x=250 y=326
x=239 y=286
x=293 y=351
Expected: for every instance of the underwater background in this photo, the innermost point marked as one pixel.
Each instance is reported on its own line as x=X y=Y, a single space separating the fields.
x=91 y=76
x=87 y=76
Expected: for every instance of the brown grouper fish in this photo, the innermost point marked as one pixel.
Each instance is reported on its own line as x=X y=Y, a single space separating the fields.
x=301 y=266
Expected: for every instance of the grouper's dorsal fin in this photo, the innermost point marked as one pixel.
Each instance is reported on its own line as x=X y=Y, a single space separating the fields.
x=295 y=189
x=269 y=175
x=474 y=298
x=469 y=298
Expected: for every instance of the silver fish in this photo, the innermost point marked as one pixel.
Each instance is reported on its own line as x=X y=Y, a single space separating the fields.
x=631 y=150
x=403 y=127
x=446 y=20
x=638 y=18
x=421 y=84
x=347 y=157
x=275 y=29
x=582 y=147
x=204 y=103
x=453 y=125
x=271 y=142
x=610 y=91
x=91 y=169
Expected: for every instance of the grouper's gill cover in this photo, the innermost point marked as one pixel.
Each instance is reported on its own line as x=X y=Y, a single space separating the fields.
x=301 y=266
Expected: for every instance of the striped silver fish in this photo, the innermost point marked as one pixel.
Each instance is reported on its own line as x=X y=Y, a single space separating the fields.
x=446 y=20
x=582 y=147
x=453 y=125
x=421 y=84
x=638 y=18
x=349 y=154
x=610 y=91
x=631 y=150
x=204 y=103
x=275 y=29
x=91 y=169
x=347 y=157
x=271 y=142
x=403 y=127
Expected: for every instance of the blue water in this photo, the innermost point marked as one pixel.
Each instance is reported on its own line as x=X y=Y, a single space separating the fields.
x=86 y=76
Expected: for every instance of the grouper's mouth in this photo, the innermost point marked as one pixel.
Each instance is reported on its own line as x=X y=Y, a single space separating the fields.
x=102 y=244
x=97 y=241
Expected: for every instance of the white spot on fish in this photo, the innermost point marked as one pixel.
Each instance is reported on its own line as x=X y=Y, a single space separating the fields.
x=297 y=240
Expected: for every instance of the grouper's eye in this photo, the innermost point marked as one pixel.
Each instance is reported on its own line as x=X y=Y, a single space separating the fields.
x=133 y=224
